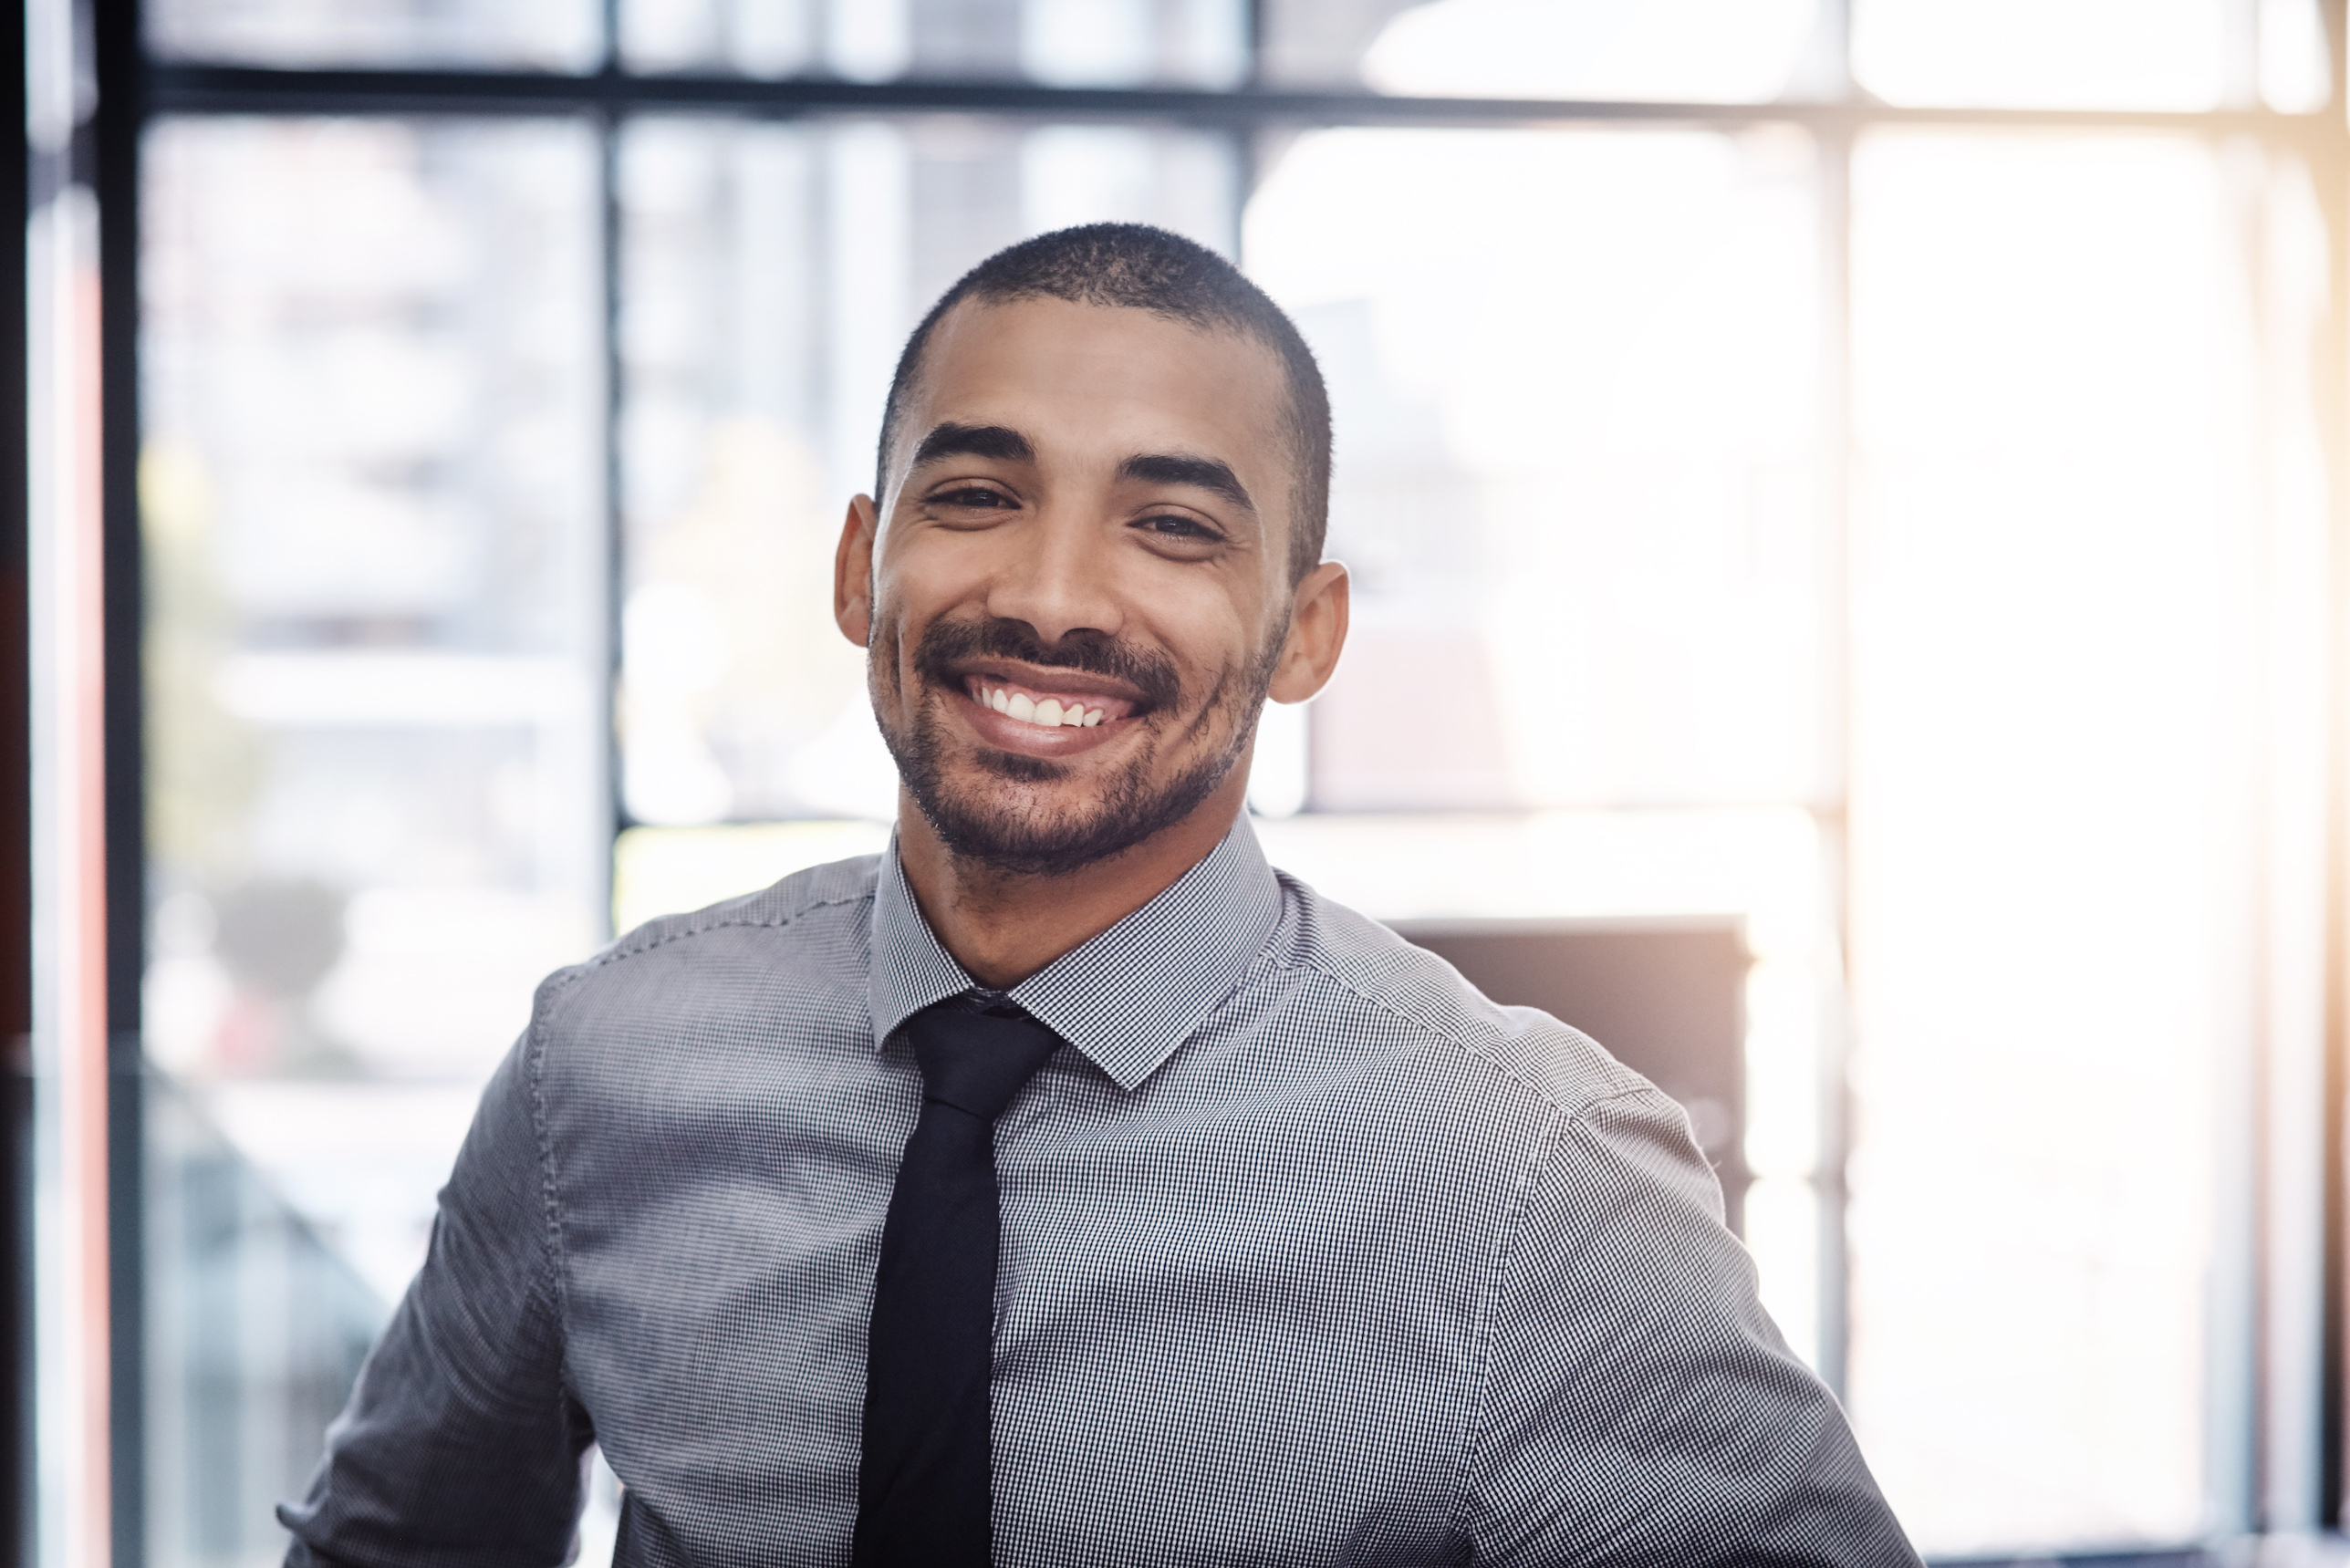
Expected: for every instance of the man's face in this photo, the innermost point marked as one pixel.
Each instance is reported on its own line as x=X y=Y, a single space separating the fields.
x=1079 y=589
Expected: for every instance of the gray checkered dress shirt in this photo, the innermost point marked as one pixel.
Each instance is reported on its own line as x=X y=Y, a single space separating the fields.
x=1311 y=1255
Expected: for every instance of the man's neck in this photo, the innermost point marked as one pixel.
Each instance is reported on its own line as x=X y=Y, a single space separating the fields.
x=1002 y=927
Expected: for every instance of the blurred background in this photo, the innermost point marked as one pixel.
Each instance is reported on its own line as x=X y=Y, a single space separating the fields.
x=1861 y=478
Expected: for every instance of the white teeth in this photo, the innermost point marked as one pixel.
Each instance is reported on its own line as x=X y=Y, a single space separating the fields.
x=1050 y=713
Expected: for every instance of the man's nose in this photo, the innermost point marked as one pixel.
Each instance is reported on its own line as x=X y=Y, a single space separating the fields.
x=1057 y=576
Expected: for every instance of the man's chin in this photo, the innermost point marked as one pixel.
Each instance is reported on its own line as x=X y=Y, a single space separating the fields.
x=1048 y=824
x=1057 y=849
x=1011 y=831
x=1017 y=767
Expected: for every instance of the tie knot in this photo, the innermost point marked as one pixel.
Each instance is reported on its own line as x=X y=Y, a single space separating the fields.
x=975 y=1061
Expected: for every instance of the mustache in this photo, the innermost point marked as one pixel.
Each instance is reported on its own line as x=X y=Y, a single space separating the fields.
x=945 y=644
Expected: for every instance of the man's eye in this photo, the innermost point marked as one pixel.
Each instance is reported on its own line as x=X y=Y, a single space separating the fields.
x=1179 y=527
x=971 y=496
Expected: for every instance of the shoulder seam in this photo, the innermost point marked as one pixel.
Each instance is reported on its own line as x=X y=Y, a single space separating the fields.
x=1581 y=1115
x=1549 y=1148
x=1468 y=1047
x=534 y=1066
x=1458 y=1524
x=631 y=949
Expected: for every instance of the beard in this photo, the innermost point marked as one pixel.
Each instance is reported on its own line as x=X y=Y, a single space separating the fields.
x=986 y=818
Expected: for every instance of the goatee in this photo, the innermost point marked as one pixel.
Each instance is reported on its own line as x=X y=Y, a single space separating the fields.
x=1025 y=838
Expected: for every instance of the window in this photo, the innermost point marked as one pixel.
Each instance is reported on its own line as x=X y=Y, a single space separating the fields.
x=1864 y=471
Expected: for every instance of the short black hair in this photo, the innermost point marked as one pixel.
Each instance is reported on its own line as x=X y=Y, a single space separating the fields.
x=1141 y=267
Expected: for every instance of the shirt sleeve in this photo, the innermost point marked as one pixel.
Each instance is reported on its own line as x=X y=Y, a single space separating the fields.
x=460 y=1446
x=1639 y=1406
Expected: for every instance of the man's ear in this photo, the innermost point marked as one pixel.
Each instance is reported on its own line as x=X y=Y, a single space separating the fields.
x=1317 y=632
x=852 y=572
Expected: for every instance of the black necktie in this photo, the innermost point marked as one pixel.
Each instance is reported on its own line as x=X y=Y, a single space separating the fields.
x=922 y=1488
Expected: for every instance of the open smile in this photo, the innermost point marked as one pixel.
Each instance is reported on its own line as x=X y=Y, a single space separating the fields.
x=1048 y=712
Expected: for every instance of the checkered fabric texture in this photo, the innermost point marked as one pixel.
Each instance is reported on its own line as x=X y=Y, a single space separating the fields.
x=1311 y=1254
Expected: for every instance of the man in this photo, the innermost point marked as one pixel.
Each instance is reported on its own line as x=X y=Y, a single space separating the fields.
x=1064 y=1186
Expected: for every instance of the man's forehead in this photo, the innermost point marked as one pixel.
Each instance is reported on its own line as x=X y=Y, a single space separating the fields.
x=980 y=334
x=1053 y=371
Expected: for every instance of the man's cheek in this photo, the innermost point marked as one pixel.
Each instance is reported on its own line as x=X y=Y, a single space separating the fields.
x=884 y=654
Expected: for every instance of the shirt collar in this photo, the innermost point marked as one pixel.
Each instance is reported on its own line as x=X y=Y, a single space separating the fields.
x=1127 y=998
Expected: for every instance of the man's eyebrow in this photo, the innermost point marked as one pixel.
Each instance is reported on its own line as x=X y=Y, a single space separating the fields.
x=999 y=441
x=1174 y=468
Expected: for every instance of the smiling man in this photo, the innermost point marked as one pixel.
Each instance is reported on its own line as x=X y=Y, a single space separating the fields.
x=1064 y=1185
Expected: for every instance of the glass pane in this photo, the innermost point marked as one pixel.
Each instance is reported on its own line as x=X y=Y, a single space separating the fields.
x=545 y=35
x=2069 y=630
x=2294 y=75
x=773 y=273
x=1062 y=43
x=376 y=799
x=2044 y=53
x=1688 y=51
x=1572 y=377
